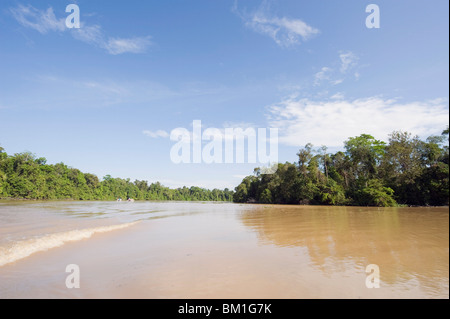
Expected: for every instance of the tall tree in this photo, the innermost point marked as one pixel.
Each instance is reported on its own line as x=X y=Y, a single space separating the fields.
x=366 y=152
x=304 y=156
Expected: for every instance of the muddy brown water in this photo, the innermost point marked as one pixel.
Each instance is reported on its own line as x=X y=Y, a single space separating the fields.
x=221 y=250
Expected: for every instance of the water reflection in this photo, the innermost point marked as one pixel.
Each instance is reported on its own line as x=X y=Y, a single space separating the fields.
x=409 y=244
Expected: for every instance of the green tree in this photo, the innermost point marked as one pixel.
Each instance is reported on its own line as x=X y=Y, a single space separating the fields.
x=246 y=190
x=304 y=156
x=403 y=165
x=266 y=196
x=332 y=193
x=2 y=182
x=375 y=194
x=365 y=152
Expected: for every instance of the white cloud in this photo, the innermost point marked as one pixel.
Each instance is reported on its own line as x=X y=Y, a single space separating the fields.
x=331 y=122
x=323 y=74
x=284 y=31
x=133 y=45
x=159 y=133
x=91 y=34
x=336 y=82
x=337 y=75
x=348 y=61
x=39 y=20
x=45 y=21
x=338 y=96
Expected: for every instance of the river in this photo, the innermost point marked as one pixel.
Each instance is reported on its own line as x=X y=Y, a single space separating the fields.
x=221 y=250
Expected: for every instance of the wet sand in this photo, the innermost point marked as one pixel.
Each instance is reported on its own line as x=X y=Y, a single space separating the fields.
x=211 y=250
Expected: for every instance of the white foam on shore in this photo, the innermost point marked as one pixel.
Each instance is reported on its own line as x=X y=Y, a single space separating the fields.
x=25 y=248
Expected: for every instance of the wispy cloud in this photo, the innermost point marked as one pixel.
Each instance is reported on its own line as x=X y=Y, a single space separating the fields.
x=156 y=134
x=331 y=121
x=338 y=96
x=42 y=21
x=337 y=81
x=45 y=21
x=323 y=74
x=284 y=31
x=348 y=61
x=132 y=45
x=91 y=34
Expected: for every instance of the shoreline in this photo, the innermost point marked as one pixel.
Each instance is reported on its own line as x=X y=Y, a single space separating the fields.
x=200 y=201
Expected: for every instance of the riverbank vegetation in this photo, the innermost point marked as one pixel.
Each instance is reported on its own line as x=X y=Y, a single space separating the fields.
x=25 y=176
x=370 y=172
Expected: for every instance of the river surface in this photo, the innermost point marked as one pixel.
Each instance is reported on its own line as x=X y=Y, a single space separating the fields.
x=221 y=250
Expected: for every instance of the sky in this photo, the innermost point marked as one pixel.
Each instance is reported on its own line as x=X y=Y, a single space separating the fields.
x=105 y=97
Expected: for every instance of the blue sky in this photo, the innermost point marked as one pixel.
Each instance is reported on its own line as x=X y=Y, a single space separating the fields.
x=105 y=97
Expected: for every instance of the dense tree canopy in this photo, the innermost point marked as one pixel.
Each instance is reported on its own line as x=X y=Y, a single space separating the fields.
x=404 y=171
x=369 y=172
x=26 y=176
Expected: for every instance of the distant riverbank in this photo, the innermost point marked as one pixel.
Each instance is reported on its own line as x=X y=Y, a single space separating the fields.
x=5 y=200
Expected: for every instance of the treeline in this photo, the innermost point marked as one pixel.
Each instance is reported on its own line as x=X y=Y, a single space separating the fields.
x=24 y=176
x=370 y=172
